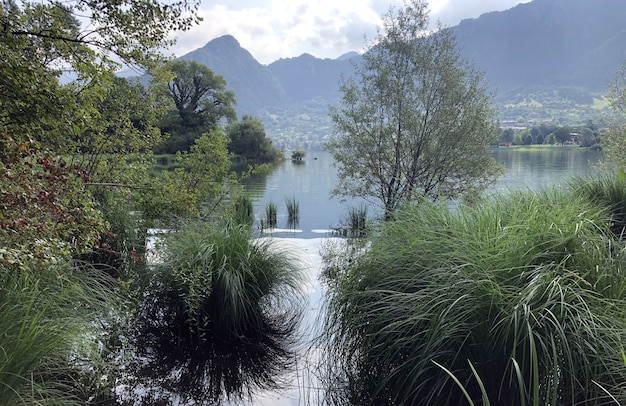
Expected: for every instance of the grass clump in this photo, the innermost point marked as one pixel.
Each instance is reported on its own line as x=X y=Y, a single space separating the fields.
x=48 y=342
x=243 y=210
x=520 y=300
x=271 y=214
x=293 y=212
x=218 y=318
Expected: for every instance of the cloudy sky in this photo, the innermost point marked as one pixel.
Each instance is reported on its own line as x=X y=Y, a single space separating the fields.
x=274 y=29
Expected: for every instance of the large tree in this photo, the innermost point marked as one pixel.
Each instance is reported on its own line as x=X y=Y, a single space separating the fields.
x=415 y=119
x=199 y=99
x=248 y=141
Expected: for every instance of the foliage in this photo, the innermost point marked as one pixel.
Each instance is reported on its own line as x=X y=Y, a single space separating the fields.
x=613 y=138
x=40 y=40
x=217 y=318
x=521 y=299
x=198 y=102
x=46 y=213
x=59 y=139
x=194 y=187
x=416 y=121
x=248 y=140
x=48 y=357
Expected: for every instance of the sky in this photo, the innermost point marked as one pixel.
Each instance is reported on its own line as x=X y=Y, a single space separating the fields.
x=275 y=29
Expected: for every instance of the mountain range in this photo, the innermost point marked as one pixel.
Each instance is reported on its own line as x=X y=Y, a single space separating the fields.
x=569 y=46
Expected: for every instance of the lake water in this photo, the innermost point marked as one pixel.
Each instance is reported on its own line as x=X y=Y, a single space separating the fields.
x=311 y=182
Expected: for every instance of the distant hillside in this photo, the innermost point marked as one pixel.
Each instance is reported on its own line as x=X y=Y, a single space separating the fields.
x=254 y=85
x=544 y=59
x=307 y=77
x=548 y=43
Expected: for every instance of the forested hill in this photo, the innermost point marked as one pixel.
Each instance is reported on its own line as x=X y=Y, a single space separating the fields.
x=571 y=48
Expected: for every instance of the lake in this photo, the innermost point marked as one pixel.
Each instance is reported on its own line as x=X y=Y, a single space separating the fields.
x=311 y=181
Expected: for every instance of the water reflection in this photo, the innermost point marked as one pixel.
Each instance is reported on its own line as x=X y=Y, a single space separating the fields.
x=538 y=168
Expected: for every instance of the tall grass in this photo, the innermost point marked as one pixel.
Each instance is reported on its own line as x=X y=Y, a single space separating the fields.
x=218 y=318
x=520 y=300
x=48 y=344
x=293 y=212
x=608 y=191
x=243 y=210
x=357 y=221
x=271 y=214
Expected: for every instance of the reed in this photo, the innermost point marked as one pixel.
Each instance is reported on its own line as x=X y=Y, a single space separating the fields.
x=357 y=220
x=243 y=210
x=519 y=300
x=293 y=212
x=270 y=215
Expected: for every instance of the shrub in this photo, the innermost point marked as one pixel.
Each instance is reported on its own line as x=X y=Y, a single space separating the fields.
x=520 y=300
x=217 y=319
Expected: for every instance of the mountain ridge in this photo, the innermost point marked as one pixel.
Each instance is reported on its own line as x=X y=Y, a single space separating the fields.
x=569 y=46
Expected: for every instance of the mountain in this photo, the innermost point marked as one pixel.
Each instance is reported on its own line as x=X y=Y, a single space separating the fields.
x=548 y=43
x=307 y=77
x=544 y=58
x=254 y=85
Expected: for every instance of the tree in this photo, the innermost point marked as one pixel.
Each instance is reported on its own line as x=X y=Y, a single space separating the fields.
x=527 y=138
x=248 y=140
x=562 y=135
x=39 y=40
x=507 y=136
x=199 y=102
x=416 y=120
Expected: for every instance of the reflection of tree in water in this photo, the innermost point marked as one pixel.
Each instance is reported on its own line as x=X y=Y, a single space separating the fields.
x=222 y=326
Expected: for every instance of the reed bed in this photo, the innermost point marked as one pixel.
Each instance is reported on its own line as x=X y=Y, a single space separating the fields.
x=519 y=300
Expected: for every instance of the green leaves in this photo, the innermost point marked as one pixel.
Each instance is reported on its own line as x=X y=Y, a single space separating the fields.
x=416 y=119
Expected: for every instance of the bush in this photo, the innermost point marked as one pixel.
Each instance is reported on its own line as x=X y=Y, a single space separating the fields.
x=519 y=300
x=217 y=318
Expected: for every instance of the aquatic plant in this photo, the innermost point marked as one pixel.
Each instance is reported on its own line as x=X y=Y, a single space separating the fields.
x=270 y=214
x=243 y=210
x=218 y=318
x=293 y=212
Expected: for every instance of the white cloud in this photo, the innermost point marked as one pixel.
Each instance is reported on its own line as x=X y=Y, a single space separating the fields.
x=273 y=29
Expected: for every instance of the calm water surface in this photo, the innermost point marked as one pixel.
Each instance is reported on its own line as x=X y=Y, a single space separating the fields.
x=311 y=182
